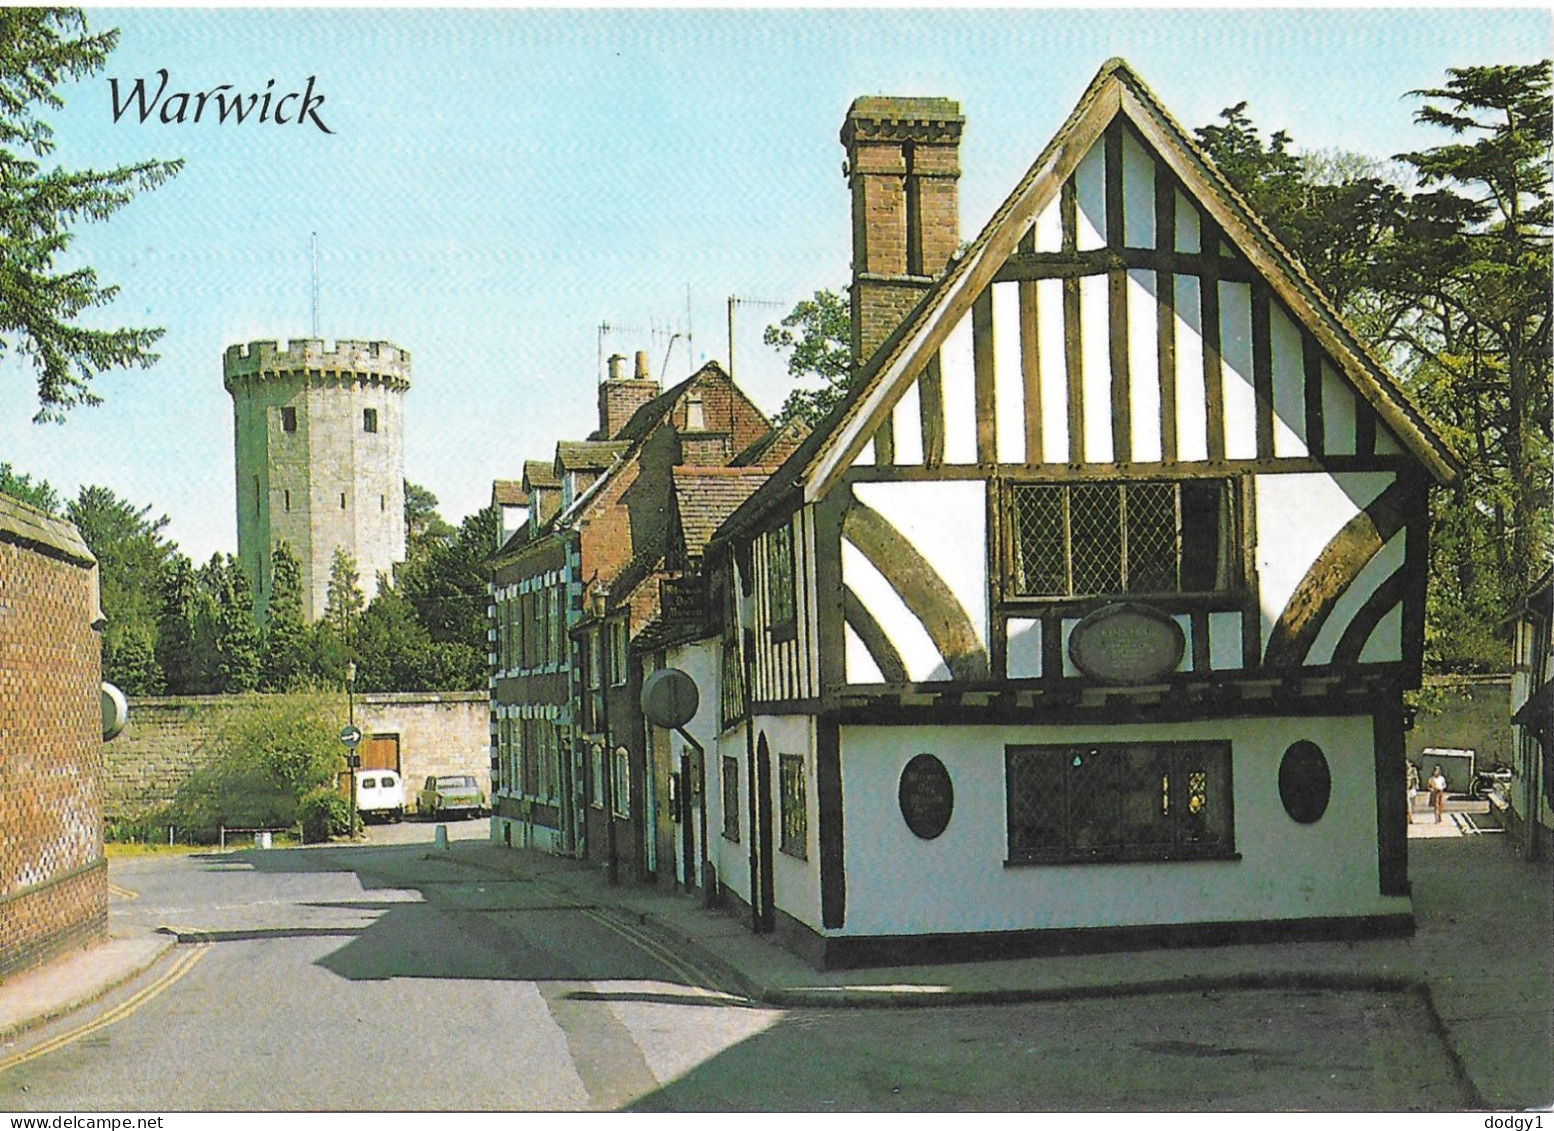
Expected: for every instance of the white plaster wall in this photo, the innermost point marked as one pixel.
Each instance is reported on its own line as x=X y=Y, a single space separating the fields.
x=795 y=882
x=897 y=883
x=1297 y=516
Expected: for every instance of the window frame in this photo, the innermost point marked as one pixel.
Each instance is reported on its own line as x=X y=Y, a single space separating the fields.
x=370 y=420
x=782 y=604
x=793 y=806
x=1182 y=756
x=728 y=781
x=1230 y=558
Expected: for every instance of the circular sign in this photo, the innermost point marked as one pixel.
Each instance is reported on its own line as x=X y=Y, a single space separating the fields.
x=669 y=698
x=351 y=736
x=1126 y=643
x=1305 y=782
x=115 y=711
x=927 y=796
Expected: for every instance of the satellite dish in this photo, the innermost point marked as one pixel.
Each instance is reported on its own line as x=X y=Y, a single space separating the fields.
x=669 y=698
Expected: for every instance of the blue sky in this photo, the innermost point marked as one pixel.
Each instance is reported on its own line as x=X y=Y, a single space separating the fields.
x=501 y=182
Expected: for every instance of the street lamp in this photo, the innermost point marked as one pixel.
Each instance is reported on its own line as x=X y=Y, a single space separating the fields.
x=352 y=759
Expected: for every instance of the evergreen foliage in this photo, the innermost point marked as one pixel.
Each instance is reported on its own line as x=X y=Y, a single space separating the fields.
x=45 y=306
x=817 y=336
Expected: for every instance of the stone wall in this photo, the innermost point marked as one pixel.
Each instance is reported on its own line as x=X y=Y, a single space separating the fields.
x=53 y=876
x=438 y=733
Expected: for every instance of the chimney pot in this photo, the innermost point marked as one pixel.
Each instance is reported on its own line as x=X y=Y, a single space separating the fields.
x=642 y=365
x=616 y=361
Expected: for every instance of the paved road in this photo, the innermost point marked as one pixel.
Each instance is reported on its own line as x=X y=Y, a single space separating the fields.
x=392 y=976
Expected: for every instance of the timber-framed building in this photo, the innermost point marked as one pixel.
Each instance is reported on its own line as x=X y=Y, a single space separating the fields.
x=1085 y=619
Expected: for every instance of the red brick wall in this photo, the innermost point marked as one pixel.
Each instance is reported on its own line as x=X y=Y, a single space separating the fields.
x=53 y=877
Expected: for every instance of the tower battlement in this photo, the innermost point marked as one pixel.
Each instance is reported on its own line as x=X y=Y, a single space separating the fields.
x=313 y=357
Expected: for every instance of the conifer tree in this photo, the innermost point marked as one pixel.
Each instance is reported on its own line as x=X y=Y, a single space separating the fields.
x=44 y=303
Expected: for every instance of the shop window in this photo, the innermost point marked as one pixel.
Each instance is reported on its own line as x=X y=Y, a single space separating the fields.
x=1110 y=539
x=1104 y=803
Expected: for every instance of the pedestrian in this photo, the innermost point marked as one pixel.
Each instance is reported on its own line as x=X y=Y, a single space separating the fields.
x=1437 y=785
x=1413 y=788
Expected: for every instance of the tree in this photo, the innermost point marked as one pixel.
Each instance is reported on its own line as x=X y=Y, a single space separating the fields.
x=238 y=641
x=131 y=556
x=176 y=634
x=19 y=485
x=343 y=601
x=1448 y=281
x=286 y=645
x=817 y=335
x=423 y=525
x=41 y=302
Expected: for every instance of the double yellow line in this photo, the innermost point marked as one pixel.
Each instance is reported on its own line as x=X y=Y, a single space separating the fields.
x=179 y=968
x=694 y=976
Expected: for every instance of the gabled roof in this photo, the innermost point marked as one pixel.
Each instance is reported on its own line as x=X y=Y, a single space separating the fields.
x=777 y=445
x=587 y=455
x=705 y=496
x=508 y=493
x=540 y=473
x=822 y=459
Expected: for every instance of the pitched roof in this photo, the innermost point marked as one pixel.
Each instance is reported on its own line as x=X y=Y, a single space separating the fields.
x=508 y=493
x=588 y=455
x=705 y=496
x=774 y=447
x=540 y=473
x=831 y=448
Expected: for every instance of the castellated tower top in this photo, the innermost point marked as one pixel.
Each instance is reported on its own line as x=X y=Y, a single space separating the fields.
x=371 y=362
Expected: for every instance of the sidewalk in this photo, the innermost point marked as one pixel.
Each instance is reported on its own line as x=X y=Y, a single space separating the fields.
x=1482 y=959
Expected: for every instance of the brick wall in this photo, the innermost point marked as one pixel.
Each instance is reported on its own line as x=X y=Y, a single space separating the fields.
x=439 y=733
x=53 y=878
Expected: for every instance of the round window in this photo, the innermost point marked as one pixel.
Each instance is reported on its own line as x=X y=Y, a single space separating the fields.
x=927 y=796
x=1305 y=782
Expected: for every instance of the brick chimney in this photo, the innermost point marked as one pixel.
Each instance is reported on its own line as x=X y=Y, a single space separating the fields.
x=620 y=397
x=903 y=162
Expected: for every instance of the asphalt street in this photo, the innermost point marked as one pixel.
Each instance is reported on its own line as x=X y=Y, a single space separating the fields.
x=393 y=976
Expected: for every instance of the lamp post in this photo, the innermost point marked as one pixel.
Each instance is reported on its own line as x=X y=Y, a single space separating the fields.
x=352 y=759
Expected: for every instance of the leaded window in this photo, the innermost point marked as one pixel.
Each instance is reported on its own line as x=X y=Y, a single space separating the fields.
x=1105 y=539
x=1133 y=801
x=730 y=784
x=782 y=609
x=795 y=813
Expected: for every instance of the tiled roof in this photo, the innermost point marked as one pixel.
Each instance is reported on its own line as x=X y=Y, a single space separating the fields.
x=540 y=473
x=28 y=525
x=508 y=493
x=774 y=447
x=588 y=455
x=705 y=496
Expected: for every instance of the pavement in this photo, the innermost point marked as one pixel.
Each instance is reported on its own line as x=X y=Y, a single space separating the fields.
x=1481 y=958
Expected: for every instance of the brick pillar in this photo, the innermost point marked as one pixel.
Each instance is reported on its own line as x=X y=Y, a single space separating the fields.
x=903 y=162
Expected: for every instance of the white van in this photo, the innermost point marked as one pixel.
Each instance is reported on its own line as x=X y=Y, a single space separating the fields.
x=380 y=794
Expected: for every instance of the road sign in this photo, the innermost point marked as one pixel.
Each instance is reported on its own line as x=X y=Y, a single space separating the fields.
x=351 y=736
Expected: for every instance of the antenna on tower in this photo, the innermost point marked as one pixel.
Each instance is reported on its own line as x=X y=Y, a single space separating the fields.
x=315 y=284
x=737 y=301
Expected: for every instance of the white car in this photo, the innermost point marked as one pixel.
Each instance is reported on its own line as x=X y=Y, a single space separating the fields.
x=381 y=794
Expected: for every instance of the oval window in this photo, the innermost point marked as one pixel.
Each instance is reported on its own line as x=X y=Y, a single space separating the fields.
x=927 y=796
x=1305 y=782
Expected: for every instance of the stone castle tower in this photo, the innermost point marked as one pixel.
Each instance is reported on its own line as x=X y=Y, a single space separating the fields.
x=320 y=459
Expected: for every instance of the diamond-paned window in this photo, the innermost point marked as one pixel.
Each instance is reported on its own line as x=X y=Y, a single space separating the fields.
x=1114 y=539
x=1115 y=802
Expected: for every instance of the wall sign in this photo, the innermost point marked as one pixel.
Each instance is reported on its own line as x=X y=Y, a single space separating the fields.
x=1127 y=644
x=1305 y=782
x=927 y=796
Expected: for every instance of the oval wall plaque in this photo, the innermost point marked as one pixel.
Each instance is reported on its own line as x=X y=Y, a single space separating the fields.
x=927 y=796
x=1305 y=782
x=1126 y=643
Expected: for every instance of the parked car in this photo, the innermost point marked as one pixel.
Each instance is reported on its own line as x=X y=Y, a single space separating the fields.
x=381 y=794
x=450 y=794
